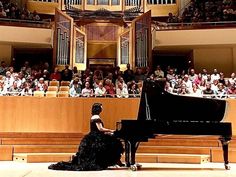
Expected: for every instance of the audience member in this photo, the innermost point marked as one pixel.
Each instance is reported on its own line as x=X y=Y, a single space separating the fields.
x=100 y=91
x=87 y=91
x=121 y=92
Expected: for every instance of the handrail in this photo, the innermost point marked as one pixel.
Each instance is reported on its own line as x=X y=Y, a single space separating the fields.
x=45 y=23
x=158 y=26
x=8 y=93
x=211 y=96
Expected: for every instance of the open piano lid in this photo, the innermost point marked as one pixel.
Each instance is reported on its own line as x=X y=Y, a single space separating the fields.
x=158 y=105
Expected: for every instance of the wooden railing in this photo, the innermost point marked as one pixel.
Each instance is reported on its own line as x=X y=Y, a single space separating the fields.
x=161 y=8
x=159 y=26
x=46 y=23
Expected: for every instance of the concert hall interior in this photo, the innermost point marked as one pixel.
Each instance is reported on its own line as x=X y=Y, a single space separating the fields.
x=163 y=70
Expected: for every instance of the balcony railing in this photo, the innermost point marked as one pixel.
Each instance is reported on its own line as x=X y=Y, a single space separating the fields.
x=46 y=23
x=159 y=26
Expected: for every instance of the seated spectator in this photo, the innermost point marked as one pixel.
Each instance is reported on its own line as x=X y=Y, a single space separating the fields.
x=8 y=80
x=177 y=85
x=220 y=92
x=214 y=85
x=171 y=18
x=87 y=91
x=100 y=91
x=215 y=75
x=26 y=91
x=187 y=82
x=3 y=68
x=66 y=74
x=198 y=79
x=168 y=87
x=96 y=82
x=34 y=16
x=110 y=88
x=232 y=90
x=170 y=75
x=75 y=72
x=192 y=75
x=204 y=74
x=222 y=78
x=14 y=90
x=98 y=73
x=195 y=91
x=232 y=79
x=76 y=80
x=158 y=72
x=133 y=90
x=56 y=75
x=208 y=91
x=18 y=80
x=3 y=90
x=121 y=92
x=75 y=89
x=46 y=75
x=121 y=80
x=183 y=90
x=139 y=76
x=41 y=85
x=2 y=13
x=128 y=74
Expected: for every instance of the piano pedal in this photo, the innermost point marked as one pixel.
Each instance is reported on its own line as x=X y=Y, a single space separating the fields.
x=135 y=167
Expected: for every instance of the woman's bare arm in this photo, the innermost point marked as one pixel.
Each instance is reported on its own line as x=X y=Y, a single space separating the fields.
x=102 y=129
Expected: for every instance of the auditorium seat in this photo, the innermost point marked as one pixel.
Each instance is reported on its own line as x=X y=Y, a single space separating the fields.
x=63 y=94
x=39 y=93
x=65 y=83
x=51 y=94
x=64 y=88
x=54 y=83
x=52 y=88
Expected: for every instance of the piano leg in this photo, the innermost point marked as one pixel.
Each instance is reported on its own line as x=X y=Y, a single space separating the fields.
x=130 y=151
x=127 y=153
x=225 y=141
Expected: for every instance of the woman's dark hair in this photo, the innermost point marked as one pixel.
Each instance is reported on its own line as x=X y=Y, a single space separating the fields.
x=96 y=108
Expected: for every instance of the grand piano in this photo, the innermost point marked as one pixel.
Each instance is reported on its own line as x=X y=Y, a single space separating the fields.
x=161 y=112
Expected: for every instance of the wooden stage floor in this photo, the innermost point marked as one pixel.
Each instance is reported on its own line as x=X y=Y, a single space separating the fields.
x=17 y=169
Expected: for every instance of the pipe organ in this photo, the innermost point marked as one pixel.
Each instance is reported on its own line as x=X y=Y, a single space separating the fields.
x=103 y=2
x=79 y=48
x=63 y=39
x=124 y=47
x=63 y=46
x=161 y=1
x=142 y=40
x=132 y=2
x=73 y=2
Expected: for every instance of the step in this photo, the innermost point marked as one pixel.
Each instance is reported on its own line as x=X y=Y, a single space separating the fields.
x=40 y=141
x=42 y=157
x=45 y=148
x=171 y=136
x=181 y=142
x=141 y=149
x=39 y=135
x=172 y=158
x=217 y=155
x=140 y=157
x=6 y=153
x=174 y=150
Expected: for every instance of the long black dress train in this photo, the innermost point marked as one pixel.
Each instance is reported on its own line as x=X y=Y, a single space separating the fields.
x=96 y=151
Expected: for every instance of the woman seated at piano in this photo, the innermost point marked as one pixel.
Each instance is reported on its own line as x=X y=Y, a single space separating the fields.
x=98 y=150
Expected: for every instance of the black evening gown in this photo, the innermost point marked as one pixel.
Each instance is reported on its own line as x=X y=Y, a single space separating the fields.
x=96 y=151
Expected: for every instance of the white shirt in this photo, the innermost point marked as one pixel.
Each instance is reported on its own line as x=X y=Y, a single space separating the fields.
x=122 y=93
x=100 y=91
